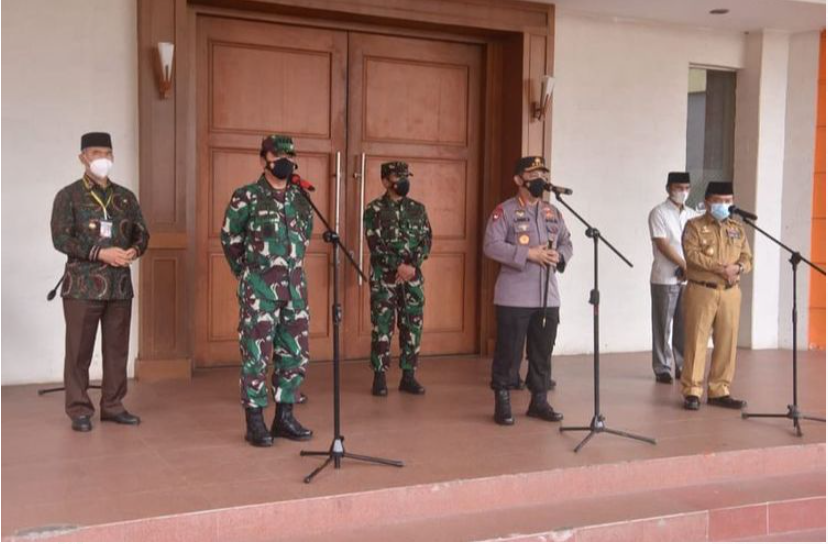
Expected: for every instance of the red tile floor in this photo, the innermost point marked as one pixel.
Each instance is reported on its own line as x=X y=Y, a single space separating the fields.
x=188 y=455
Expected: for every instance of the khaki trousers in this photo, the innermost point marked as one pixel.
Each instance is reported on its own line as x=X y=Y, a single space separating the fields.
x=706 y=309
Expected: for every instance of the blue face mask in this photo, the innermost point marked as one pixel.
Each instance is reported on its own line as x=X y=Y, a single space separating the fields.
x=720 y=211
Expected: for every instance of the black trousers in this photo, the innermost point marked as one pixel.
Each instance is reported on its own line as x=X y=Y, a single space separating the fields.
x=517 y=327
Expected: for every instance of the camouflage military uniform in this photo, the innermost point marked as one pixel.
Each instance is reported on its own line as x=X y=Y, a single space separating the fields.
x=265 y=235
x=398 y=233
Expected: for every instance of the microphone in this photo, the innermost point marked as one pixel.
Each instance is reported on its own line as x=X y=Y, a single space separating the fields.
x=557 y=189
x=53 y=292
x=302 y=183
x=743 y=213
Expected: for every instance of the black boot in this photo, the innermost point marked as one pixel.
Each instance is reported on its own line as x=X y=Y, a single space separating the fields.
x=540 y=408
x=379 y=389
x=409 y=384
x=286 y=426
x=257 y=433
x=503 y=408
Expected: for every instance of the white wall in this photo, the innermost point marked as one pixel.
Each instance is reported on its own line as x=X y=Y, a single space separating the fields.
x=68 y=69
x=797 y=197
x=619 y=126
x=761 y=95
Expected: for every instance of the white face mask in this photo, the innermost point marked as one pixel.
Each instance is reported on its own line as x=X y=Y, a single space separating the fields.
x=100 y=167
x=679 y=197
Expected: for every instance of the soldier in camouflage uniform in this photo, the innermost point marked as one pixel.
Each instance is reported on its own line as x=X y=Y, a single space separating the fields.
x=99 y=226
x=266 y=232
x=399 y=237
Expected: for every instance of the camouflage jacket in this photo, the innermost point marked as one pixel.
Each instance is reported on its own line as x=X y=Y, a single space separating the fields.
x=77 y=231
x=398 y=233
x=265 y=236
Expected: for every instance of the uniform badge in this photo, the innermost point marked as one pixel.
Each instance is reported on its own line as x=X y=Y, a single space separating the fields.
x=733 y=234
x=520 y=214
x=497 y=213
x=709 y=251
x=522 y=227
x=523 y=239
x=550 y=213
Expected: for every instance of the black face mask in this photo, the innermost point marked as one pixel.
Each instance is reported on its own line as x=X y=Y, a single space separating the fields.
x=535 y=186
x=281 y=168
x=402 y=186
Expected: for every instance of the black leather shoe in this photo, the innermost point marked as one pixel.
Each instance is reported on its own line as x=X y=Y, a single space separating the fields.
x=691 y=403
x=124 y=418
x=379 y=388
x=678 y=373
x=727 y=402
x=301 y=398
x=503 y=408
x=286 y=426
x=256 y=433
x=82 y=424
x=540 y=408
x=664 y=377
x=409 y=384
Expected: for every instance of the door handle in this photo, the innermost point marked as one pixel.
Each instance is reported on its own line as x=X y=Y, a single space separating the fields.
x=338 y=187
x=361 y=213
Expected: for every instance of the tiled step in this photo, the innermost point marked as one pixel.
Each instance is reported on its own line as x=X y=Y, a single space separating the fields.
x=677 y=497
x=737 y=509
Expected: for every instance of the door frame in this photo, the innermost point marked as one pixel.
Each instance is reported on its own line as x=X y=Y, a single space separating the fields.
x=517 y=38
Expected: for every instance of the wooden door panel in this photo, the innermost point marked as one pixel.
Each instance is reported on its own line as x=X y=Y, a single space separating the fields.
x=428 y=101
x=281 y=79
x=255 y=79
x=419 y=101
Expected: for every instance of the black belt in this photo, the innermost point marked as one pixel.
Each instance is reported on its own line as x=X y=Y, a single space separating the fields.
x=711 y=285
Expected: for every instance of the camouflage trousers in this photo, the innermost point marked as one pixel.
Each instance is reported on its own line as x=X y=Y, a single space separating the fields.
x=278 y=331
x=403 y=302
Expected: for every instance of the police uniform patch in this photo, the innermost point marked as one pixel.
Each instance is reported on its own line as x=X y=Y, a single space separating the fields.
x=523 y=239
x=733 y=234
x=497 y=213
x=520 y=214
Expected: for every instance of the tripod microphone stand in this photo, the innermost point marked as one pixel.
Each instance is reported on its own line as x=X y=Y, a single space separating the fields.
x=337 y=452
x=793 y=412
x=598 y=423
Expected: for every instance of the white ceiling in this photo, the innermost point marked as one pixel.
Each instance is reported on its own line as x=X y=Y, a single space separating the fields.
x=745 y=15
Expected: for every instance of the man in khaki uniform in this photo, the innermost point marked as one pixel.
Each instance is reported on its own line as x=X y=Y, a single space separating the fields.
x=717 y=254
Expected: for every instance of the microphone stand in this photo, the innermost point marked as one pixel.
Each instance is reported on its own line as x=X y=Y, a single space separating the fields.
x=598 y=423
x=336 y=453
x=793 y=412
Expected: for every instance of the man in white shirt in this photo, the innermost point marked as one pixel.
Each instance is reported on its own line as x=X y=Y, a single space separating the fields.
x=667 y=278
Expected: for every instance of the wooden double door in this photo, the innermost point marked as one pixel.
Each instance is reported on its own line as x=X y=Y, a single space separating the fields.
x=351 y=101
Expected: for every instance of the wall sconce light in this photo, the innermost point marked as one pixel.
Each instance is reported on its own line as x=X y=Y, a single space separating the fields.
x=165 y=56
x=540 y=107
